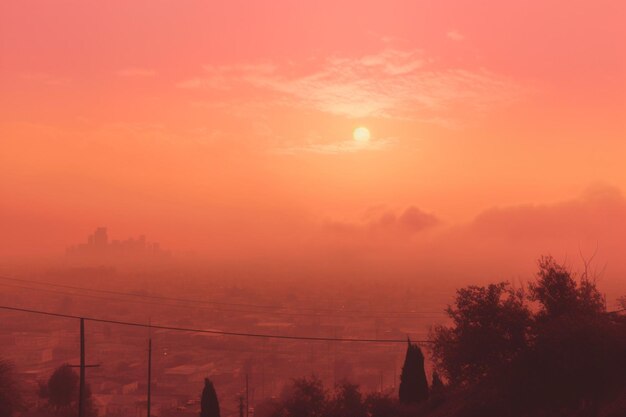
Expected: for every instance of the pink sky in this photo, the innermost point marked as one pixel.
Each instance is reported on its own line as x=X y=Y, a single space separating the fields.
x=226 y=127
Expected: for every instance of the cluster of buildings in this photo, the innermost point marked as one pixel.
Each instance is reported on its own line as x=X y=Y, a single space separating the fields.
x=98 y=245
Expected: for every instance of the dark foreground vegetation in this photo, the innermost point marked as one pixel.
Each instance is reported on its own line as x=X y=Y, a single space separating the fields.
x=551 y=349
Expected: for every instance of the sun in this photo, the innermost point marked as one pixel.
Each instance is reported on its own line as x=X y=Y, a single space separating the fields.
x=361 y=134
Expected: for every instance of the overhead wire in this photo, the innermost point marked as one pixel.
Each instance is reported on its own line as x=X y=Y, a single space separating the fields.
x=315 y=312
x=207 y=331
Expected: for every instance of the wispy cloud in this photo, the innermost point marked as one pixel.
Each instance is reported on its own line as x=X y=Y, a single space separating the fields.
x=226 y=77
x=136 y=72
x=455 y=35
x=337 y=147
x=392 y=83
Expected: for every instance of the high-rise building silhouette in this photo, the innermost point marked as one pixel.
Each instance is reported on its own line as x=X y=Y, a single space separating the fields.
x=98 y=246
x=100 y=238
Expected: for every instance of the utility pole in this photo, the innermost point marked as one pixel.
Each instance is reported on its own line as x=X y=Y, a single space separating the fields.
x=82 y=366
x=81 y=392
x=149 y=373
x=247 y=397
x=263 y=360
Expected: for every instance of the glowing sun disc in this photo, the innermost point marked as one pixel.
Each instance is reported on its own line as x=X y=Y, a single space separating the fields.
x=361 y=134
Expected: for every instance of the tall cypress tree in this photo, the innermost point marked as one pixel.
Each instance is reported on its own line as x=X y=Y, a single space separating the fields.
x=413 y=383
x=209 y=406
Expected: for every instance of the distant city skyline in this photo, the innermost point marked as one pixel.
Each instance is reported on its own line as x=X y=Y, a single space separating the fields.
x=98 y=245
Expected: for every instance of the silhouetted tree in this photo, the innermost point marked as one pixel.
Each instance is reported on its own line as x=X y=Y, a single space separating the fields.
x=269 y=407
x=559 y=294
x=62 y=393
x=572 y=361
x=305 y=398
x=437 y=391
x=209 y=405
x=489 y=328
x=413 y=383
x=381 y=405
x=10 y=395
x=505 y=360
x=437 y=384
x=347 y=401
x=62 y=387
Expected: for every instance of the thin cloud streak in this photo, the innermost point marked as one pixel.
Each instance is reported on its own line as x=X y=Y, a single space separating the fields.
x=339 y=147
x=389 y=84
x=455 y=36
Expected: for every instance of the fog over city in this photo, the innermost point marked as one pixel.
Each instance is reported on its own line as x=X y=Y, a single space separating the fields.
x=400 y=208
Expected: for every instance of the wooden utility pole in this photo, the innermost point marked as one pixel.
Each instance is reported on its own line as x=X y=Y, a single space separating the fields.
x=149 y=373
x=247 y=397
x=81 y=392
x=82 y=366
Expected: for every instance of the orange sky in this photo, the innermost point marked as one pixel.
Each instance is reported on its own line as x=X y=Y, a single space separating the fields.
x=226 y=127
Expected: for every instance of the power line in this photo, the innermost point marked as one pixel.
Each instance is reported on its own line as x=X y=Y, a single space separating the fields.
x=277 y=313
x=318 y=311
x=218 y=332
x=48 y=290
